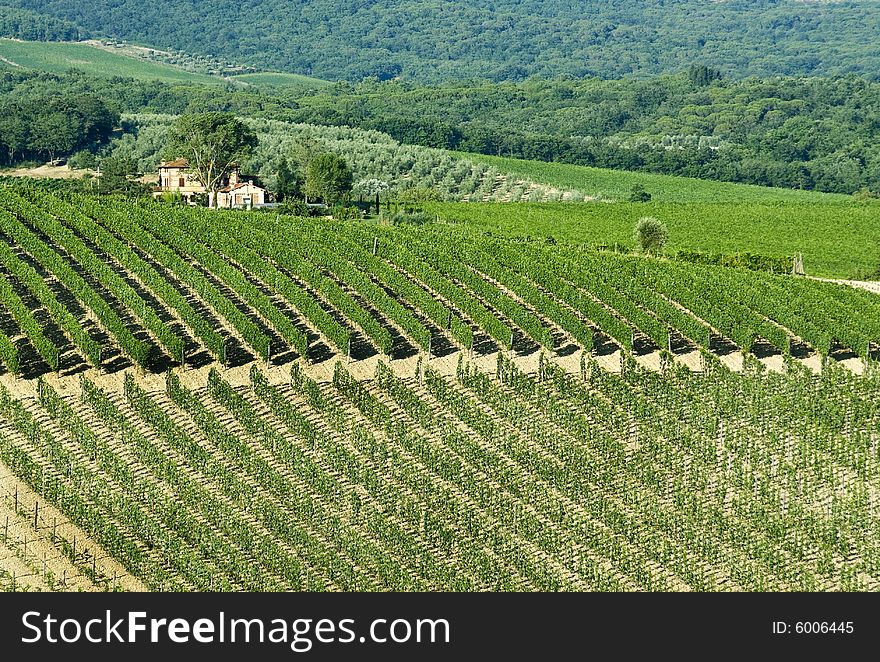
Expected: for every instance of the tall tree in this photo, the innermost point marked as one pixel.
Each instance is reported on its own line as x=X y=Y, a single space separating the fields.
x=287 y=184
x=212 y=143
x=54 y=133
x=328 y=177
x=14 y=131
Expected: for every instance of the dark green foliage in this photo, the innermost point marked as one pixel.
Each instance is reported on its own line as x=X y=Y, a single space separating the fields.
x=117 y=176
x=650 y=235
x=433 y=41
x=639 y=194
x=328 y=177
x=701 y=75
x=287 y=184
x=54 y=125
x=30 y=25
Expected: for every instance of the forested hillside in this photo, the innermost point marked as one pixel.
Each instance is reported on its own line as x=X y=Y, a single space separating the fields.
x=799 y=133
x=434 y=40
x=812 y=133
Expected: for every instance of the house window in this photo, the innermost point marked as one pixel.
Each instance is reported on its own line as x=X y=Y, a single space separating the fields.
x=181 y=182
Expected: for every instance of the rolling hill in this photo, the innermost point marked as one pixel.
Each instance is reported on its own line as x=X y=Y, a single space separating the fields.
x=431 y=40
x=202 y=404
x=58 y=57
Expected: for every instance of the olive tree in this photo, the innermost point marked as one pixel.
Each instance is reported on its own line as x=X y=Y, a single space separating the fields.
x=650 y=235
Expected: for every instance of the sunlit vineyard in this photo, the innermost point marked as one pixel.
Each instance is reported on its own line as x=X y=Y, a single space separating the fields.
x=238 y=400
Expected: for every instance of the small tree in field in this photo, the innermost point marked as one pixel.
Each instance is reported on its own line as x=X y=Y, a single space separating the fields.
x=639 y=194
x=650 y=235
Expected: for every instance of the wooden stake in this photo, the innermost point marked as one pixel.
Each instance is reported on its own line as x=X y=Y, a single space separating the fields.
x=36 y=514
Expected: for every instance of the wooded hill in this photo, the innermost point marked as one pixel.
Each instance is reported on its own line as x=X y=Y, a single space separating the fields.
x=431 y=40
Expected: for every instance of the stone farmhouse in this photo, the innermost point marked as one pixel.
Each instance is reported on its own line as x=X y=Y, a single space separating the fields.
x=233 y=192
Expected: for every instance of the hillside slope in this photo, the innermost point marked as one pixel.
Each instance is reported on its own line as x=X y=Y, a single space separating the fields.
x=508 y=40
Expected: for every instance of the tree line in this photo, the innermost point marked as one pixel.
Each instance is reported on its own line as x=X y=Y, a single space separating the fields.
x=812 y=133
x=53 y=126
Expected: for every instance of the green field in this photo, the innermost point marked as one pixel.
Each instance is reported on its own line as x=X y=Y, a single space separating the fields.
x=281 y=80
x=837 y=240
x=58 y=57
x=354 y=407
x=617 y=184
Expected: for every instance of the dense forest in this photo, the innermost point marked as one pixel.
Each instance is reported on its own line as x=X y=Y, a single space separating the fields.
x=33 y=26
x=435 y=40
x=46 y=127
x=809 y=133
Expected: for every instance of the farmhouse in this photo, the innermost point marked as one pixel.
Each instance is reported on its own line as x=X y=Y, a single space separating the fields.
x=175 y=177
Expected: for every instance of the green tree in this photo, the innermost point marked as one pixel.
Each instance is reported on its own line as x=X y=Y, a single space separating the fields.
x=14 y=129
x=700 y=75
x=117 y=176
x=53 y=133
x=650 y=235
x=287 y=183
x=639 y=194
x=328 y=177
x=212 y=143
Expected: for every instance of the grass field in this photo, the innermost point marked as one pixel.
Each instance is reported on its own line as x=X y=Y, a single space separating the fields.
x=617 y=184
x=837 y=240
x=59 y=57
x=281 y=80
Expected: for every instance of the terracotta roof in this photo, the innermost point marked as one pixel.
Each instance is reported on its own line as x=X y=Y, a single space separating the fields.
x=229 y=189
x=176 y=163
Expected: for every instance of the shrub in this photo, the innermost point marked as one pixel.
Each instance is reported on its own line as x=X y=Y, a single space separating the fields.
x=639 y=194
x=650 y=235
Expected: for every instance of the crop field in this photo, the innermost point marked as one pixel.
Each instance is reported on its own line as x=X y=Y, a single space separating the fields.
x=203 y=400
x=59 y=57
x=616 y=185
x=838 y=240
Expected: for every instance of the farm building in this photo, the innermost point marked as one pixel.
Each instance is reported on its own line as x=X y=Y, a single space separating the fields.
x=242 y=194
x=175 y=177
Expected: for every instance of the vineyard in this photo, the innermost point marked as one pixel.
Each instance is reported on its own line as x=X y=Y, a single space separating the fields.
x=211 y=400
x=838 y=239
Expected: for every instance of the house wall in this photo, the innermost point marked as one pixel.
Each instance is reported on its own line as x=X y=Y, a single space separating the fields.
x=237 y=197
x=169 y=180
